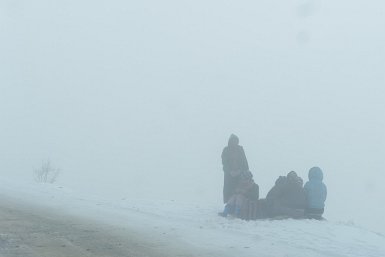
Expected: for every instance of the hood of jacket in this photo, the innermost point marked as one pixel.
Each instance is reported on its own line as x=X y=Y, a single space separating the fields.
x=316 y=174
x=233 y=140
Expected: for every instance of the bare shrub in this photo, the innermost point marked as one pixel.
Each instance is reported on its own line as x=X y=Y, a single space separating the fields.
x=46 y=173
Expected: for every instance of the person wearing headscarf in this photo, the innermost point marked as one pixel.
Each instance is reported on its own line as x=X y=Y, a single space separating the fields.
x=234 y=163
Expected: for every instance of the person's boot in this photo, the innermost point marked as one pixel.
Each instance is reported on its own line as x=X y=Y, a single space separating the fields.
x=228 y=210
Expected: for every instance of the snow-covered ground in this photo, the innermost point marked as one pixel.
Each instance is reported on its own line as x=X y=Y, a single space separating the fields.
x=197 y=225
x=135 y=100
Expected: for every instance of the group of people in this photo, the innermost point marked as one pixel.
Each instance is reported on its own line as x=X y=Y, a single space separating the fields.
x=288 y=198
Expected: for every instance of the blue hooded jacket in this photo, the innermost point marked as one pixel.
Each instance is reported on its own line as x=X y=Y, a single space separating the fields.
x=315 y=189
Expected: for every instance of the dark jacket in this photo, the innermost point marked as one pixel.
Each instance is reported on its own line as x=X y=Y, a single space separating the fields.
x=247 y=187
x=287 y=197
x=233 y=157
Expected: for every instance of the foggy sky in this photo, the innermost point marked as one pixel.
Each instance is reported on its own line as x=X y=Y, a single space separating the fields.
x=142 y=96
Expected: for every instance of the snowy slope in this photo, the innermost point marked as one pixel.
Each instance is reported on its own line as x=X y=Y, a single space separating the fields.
x=197 y=225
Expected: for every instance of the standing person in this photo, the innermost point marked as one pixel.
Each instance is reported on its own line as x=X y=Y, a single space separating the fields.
x=316 y=193
x=234 y=162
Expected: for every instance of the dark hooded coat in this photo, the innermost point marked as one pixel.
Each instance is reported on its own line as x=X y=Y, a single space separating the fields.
x=234 y=162
x=287 y=197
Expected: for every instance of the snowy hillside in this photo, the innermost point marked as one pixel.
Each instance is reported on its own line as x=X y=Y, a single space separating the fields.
x=197 y=225
x=134 y=102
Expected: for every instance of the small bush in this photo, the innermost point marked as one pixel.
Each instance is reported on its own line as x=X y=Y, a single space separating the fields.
x=46 y=173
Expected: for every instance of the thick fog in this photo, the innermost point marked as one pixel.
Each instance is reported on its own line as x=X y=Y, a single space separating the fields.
x=138 y=98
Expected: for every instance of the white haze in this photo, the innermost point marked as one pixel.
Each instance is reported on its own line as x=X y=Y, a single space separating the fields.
x=138 y=98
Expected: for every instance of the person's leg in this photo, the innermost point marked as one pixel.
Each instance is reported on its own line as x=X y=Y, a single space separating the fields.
x=229 y=210
x=239 y=201
x=229 y=207
x=226 y=187
x=229 y=185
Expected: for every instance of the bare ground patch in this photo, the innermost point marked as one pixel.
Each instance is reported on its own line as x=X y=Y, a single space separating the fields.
x=31 y=232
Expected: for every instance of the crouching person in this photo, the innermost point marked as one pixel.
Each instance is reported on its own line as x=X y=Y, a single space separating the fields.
x=287 y=197
x=246 y=190
x=316 y=192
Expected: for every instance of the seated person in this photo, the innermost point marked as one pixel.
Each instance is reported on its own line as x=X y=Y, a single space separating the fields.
x=287 y=197
x=245 y=190
x=316 y=192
